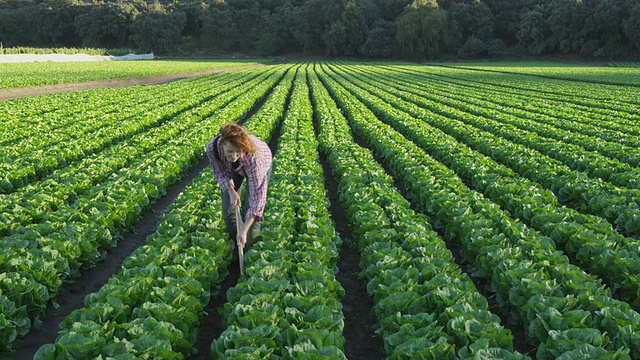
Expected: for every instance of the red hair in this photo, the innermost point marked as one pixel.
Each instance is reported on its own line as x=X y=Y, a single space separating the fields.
x=238 y=136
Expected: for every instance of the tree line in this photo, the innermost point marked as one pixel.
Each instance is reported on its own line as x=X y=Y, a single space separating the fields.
x=376 y=29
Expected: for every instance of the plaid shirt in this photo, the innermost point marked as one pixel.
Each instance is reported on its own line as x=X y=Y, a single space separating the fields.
x=254 y=166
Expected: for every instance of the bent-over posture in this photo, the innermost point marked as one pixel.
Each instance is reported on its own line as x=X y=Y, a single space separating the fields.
x=236 y=155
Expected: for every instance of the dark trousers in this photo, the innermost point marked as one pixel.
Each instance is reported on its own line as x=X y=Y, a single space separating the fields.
x=230 y=213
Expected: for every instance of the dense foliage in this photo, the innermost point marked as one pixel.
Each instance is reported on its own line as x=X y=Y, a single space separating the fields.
x=409 y=29
x=131 y=166
x=479 y=201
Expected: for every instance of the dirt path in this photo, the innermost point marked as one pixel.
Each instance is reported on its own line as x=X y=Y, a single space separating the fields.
x=15 y=93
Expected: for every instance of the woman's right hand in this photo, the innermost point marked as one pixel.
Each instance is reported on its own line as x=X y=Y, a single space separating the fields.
x=234 y=198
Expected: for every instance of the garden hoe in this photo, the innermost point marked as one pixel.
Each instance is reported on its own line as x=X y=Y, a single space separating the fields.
x=239 y=226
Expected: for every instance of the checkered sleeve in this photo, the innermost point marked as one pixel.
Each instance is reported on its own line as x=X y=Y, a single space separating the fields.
x=257 y=169
x=222 y=173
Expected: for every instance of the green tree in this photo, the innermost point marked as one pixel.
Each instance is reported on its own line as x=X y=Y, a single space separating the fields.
x=422 y=31
x=347 y=34
x=566 y=19
x=470 y=19
x=471 y=26
x=472 y=48
x=390 y=10
x=269 y=40
x=381 y=41
x=194 y=12
x=275 y=34
x=219 y=28
x=55 y=23
x=158 y=30
x=631 y=26
x=106 y=25
x=311 y=21
x=603 y=34
x=533 y=32
x=248 y=19
x=16 y=25
x=508 y=16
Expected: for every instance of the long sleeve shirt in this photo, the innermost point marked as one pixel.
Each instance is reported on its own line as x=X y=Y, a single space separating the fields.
x=254 y=166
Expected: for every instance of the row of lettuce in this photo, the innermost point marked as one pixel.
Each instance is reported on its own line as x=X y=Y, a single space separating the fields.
x=287 y=303
x=566 y=175
x=421 y=312
x=593 y=107
x=81 y=221
x=545 y=128
x=564 y=311
x=145 y=134
x=153 y=306
x=624 y=64
x=589 y=240
x=578 y=76
x=425 y=306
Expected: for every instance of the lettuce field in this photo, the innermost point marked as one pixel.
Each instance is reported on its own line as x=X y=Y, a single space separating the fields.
x=489 y=212
x=45 y=73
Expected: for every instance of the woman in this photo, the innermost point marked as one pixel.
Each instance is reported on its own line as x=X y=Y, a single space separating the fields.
x=234 y=155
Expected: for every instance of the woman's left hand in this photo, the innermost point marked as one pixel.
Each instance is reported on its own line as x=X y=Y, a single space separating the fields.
x=241 y=239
